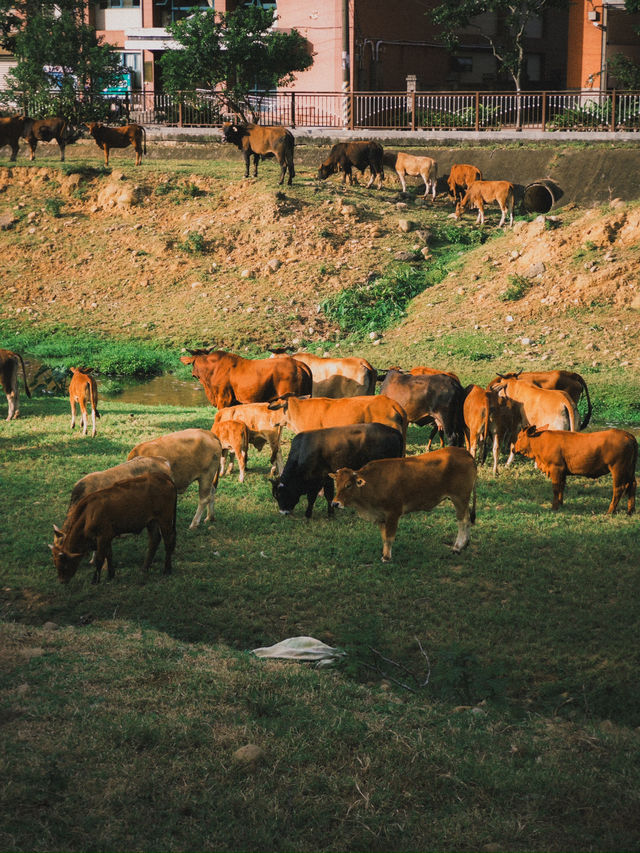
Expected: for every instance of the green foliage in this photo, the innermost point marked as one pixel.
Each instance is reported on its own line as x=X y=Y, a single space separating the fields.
x=232 y=54
x=589 y=116
x=194 y=243
x=518 y=287
x=53 y=206
x=625 y=70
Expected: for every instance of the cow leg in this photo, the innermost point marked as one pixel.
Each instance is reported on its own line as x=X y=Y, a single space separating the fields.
x=247 y=162
x=403 y=183
x=496 y=451
x=106 y=154
x=206 y=498
x=138 y=155
x=83 y=409
x=223 y=462
x=153 y=529
x=283 y=172
x=558 y=480
x=503 y=211
x=33 y=144
x=464 y=524
x=62 y=145
x=631 y=495
x=73 y=414
x=431 y=437
x=388 y=529
x=329 y=492
x=277 y=465
x=93 y=422
x=512 y=453
x=622 y=483
x=312 y=494
x=168 y=531
x=13 y=402
x=256 y=157
x=103 y=552
x=14 y=151
x=480 y=219
x=241 y=456
x=291 y=169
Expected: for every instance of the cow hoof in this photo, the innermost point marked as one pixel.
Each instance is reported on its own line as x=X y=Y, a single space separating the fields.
x=386 y=559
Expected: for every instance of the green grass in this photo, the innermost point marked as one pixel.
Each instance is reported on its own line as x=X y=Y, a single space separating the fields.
x=120 y=724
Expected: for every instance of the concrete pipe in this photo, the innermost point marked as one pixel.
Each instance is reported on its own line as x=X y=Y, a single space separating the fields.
x=540 y=196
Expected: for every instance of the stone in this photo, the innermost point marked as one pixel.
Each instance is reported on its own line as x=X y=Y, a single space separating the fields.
x=7 y=220
x=274 y=264
x=525 y=342
x=249 y=754
x=405 y=225
x=423 y=234
x=405 y=256
x=535 y=270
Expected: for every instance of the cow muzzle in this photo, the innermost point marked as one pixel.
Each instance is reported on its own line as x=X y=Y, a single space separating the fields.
x=285 y=512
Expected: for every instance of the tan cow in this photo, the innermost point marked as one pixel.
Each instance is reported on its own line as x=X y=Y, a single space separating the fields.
x=321 y=412
x=234 y=440
x=193 y=454
x=475 y=411
x=588 y=454
x=384 y=490
x=484 y=192
x=461 y=176
x=83 y=389
x=542 y=406
x=9 y=363
x=561 y=380
x=264 y=425
x=414 y=166
x=506 y=419
x=119 y=137
x=339 y=377
x=148 y=500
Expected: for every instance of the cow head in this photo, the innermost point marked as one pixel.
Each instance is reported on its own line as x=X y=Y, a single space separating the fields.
x=347 y=484
x=327 y=168
x=66 y=563
x=523 y=442
x=233 y=133
x=73 y=134
x=285 y=495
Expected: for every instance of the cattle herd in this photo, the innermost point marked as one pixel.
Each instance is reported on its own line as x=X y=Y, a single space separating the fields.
x=349 y=444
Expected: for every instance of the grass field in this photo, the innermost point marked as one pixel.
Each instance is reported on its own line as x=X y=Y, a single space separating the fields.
x=520 y=730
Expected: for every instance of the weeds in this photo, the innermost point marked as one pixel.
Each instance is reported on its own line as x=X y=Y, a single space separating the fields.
x=518 y=287
x=193 y=244
x=53 y=206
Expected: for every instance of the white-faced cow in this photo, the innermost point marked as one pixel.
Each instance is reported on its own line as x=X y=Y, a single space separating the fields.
x=262 y=142
x=9 y=364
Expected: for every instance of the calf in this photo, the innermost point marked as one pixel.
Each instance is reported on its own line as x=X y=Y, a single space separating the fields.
x=10 y=132
x=344 y=155
x=483 y=192
x=83 y=389
x=558 y=453
x=461 y=176
x=148 y=500
x=193 y=454
x=387 y=489
x=264 y=426
x=317 y=453
x=234 y=440
x=9 y=363
x=119 y=137
x=409 y=164
x=261 y=142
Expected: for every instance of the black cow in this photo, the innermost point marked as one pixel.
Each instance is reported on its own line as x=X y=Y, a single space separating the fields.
x=262 y=142
x=318 y=452
x=344 y=155
x=433 y=399
x=46 y=129
x=10 y=133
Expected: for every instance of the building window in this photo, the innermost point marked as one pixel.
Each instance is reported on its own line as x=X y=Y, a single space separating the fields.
x=119 y=4
x=534 y=68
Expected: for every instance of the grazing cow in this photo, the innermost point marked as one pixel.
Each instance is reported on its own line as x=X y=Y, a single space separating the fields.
x=234 y=440
x=591 y=454
x=10 y=132
x=117 y=474
x=229 y=379
x=541 y=406
x=193 y=454
x=83 y=389
x=46 y=129
x=263 y=424
x=561 y=380
x=409 y=164
x=9 y=363
x=344 y=155
x=148 y=500
x=386 y=489
x=262 y=142
x=339 y=377
x=461 y=176
x=119 y=137
x=323 y=412
x=431 y=399
x=483 y=192
x=318 y=452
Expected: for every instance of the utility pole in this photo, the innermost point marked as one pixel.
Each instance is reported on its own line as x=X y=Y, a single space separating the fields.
x=346 y=100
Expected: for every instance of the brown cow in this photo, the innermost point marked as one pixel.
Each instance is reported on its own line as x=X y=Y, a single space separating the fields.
x=148 y=500
x=229 y=379
x=506 y=419
x=476 y=420
x=432 y=371
x=384 y=490
x=483 y=192
x=83 y=389
x=323 y=412
x=234 y=440
x=339 y=377
x=47 y=129
x=10 y=132
x=262 y=142
x=591 y=454
x=264 y=426
x=560 y=380
x=541 y=406
x=344 y=155
x=9 y=363
x=410 y=164
x=461 y=176
x=119 y=137
x=193 y=454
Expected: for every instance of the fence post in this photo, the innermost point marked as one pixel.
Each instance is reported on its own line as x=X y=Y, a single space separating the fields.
x=477 y=108
x=350 y=110
x=613 y=111
x=180 y=113
x=544 y=111
x=293 y=109
x=413 y=110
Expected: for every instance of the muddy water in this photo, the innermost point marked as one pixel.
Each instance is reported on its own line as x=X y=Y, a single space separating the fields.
x=165 y=390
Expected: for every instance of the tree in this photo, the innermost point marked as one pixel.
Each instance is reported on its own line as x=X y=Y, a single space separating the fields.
x=508 y=40
x=233 y=55
x=45 y=35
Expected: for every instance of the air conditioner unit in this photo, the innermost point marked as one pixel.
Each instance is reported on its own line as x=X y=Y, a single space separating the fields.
x=593 y=15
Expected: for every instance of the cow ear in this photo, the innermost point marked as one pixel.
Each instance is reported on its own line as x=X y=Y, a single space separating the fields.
x=187 y=359
x=56 y=529
x=333 y=476
x=360 y=482
x=543 y=428
x=531 y=430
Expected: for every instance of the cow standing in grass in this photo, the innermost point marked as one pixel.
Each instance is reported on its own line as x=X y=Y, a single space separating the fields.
x=119 y=137
x=9 y=363
x=83 y=389
x=262 y=142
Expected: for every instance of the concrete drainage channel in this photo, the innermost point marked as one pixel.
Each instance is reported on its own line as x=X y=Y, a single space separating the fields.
x=540 y=196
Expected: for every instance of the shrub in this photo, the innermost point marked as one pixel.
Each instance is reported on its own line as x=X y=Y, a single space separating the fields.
x=518 y=286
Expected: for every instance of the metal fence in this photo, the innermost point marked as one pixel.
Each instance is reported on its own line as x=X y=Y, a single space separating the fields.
x=574 y=110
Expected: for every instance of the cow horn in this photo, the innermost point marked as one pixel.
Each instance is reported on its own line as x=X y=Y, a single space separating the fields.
x=56 y=529
x=518 y=374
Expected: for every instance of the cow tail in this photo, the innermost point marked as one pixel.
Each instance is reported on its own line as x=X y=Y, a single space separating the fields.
x=94 y=396
x=144 y=140
x=571 y=412
x=472 y=509
x=24 y=376
x=485 y=433
x=583 y=425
